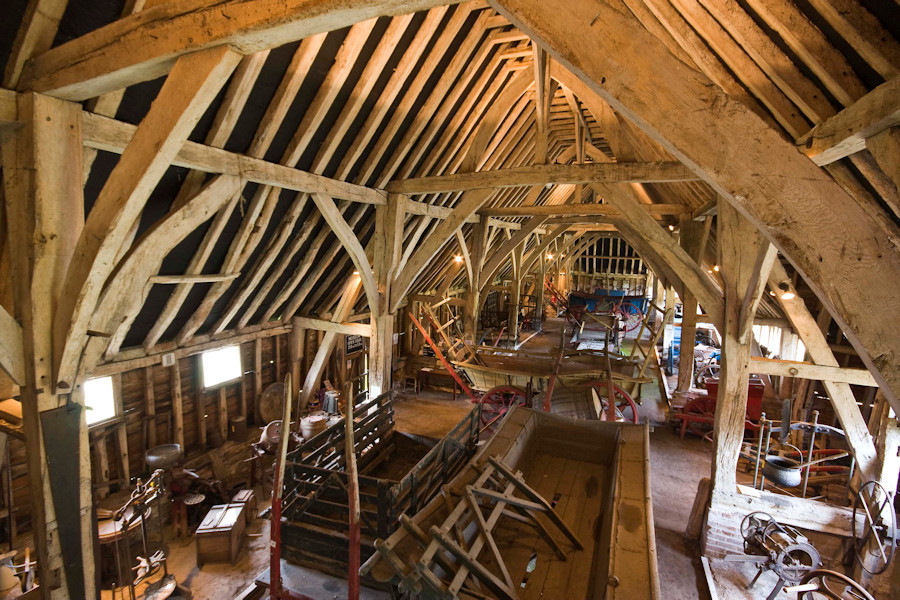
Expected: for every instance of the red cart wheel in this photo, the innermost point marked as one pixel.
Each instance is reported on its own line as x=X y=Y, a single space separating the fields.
x=630 y=315
x=626 y=409
x=496 y=402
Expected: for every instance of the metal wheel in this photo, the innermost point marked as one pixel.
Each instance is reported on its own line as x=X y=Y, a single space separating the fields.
x=496 y=402
x=626 y=409
x=753 y=522
x=874 y=515
x=796 y=561
x=710 y=371
x=630 y=315
x=833 y=585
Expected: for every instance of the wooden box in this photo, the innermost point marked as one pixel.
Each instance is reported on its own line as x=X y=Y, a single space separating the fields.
x=248 y=499
x=221 y=534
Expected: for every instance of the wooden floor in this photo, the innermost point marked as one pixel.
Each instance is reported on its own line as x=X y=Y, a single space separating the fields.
x=577 y=489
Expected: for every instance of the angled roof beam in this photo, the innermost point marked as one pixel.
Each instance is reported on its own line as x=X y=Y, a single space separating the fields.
x=842 y=398
x=125 y=292
x=113 y=136
x=231 y=104
x=346 y=235
x=185 y=95
x=469 y=203
x=499 y=256
x=654 y=236
x=35 y=35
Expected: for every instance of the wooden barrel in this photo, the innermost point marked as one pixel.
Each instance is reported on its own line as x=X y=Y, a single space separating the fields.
x=237 y=430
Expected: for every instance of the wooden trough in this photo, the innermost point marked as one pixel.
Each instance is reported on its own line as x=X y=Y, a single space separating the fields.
x=568 y=516
x=315 y=527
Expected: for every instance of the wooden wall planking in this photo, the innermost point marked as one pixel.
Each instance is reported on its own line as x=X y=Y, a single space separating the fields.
x=133 y=397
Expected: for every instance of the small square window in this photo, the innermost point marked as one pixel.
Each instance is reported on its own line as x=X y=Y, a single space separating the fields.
x=99 y=399
x=221 y=366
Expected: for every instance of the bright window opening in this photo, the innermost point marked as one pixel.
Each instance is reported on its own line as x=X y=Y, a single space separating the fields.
x=221 y=366
x=100 y=399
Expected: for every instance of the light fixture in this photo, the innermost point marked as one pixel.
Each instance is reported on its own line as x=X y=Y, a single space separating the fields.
x=786 y=293
x=562 y=255
x=458 y=258
x=716 y=268
x=356 y=272
x=671 y=228
x=549 y=256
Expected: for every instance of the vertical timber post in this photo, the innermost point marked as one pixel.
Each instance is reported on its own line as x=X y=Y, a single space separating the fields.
x=691 y=240
x=42 y=177
x=296 y=349
x=473 y=298
x=739 y=246
x=389 y=220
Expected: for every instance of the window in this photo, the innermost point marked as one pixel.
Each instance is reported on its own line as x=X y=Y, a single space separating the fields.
x=221 y=366
x=99 y=399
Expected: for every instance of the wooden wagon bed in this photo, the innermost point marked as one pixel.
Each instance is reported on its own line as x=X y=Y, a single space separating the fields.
x=507 y=367
x=594 y=477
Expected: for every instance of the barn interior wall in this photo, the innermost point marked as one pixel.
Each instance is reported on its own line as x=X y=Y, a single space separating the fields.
x=132 y=393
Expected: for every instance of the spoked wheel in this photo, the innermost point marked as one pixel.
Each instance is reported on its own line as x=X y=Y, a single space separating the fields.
x=754 y=522
x=496 y=402
x=626 y=410
x=832 y=585
x=574 y=314
x=631 y=316
x=874 y=516
x=710 y=371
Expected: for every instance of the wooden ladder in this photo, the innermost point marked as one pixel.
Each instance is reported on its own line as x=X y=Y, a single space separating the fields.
x=446 y=548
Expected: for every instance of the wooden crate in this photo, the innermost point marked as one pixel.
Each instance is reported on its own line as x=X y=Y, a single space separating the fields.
x=221 y=534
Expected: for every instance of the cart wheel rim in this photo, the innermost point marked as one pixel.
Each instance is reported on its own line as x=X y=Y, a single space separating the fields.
x=625 y=406
x=497 y=401
x=631 y=316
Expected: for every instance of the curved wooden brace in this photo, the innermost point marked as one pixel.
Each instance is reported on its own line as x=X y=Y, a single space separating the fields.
x=184 y=97
x=345 y=234
x=128 y=287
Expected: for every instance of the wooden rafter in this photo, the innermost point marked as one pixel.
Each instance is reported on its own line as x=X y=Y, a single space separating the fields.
x=847 y=131
x=126 y=291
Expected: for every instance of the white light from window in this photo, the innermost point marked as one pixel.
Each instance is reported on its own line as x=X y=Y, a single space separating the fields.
x=100 y=399
x=221 y=365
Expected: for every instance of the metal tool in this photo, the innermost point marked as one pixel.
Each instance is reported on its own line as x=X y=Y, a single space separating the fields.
x=874 y=527
x=144 y=495
x=830 y=584
x=775 y=547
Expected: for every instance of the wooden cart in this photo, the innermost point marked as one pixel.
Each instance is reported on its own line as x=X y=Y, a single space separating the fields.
x=549 y=508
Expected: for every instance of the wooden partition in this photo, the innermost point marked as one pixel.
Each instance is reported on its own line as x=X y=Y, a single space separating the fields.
x=316 y=528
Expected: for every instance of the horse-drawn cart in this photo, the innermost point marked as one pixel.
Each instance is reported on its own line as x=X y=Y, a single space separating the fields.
x=509 y=377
